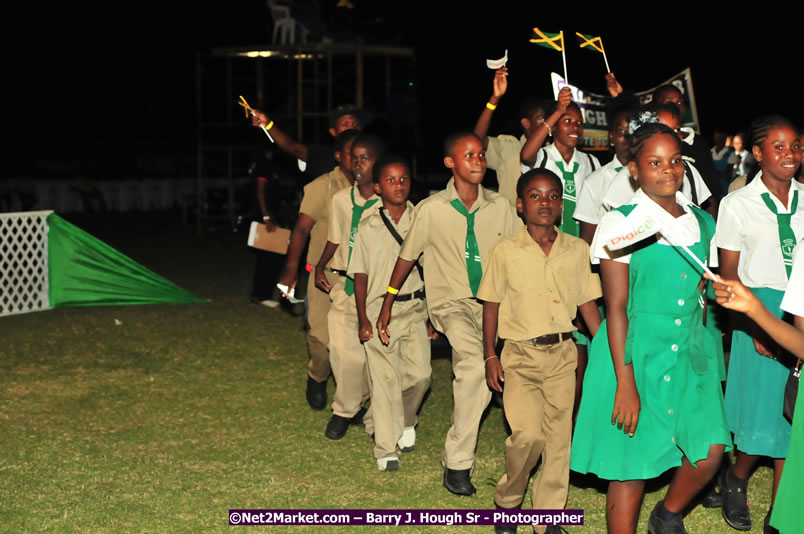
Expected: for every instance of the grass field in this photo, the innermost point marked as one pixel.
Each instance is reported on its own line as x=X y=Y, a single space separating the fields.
x=165 y=421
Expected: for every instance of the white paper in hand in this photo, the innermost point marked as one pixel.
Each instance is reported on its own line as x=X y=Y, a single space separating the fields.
x=495 y=64
x=289 y=293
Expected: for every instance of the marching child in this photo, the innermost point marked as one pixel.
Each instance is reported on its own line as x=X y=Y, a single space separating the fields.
x=313 y=222
x=535 y=282
x=348 y=359
x=453 y=231
x=399 y=368
x=758 y=227
x=653 y=366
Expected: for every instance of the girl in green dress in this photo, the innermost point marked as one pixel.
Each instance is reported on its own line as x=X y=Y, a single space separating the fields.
x=652 y=397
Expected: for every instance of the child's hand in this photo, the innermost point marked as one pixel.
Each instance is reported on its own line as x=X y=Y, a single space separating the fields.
x=321 y=281
x=733 y=295
x=288 y=277
x=613 y=85
x=494 y=373
x=626 y=409
x=564 y=99
x=432 y=333
x=500 y=83
x=364 y=330
x=258 y=118
x=382 y=326
x=761 y=349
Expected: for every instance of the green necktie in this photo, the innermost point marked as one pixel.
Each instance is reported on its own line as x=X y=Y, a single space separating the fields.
x=357 y=213
x=473 y=266
x=618 y=169
x=787 y=239
x=568 y=224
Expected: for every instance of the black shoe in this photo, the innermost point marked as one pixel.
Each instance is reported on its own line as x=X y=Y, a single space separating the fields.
x=316 y=393
x=657 y=525
x=710 y=498
x=357 y=419
x=735 y=501
x=459 y=481
x=767 y=528
x=337 y=426
x=505 y=528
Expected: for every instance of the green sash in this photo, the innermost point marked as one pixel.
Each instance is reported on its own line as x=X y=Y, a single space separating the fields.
x=568 y=224
x=357 y=213
x=787 y=239
x=473 y=266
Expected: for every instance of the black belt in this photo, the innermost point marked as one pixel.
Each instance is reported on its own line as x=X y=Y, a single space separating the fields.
x=338 y=272
x=549 y=339
x=410 y=296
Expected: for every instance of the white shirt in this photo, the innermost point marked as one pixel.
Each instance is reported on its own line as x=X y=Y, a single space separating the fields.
x=590 y=207
x=746 y=225
x=583 y=159
x=690 y=234
x=793 y=301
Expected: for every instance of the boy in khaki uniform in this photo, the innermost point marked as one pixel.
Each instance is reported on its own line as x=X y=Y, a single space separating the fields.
x=399 y=368
x=347 y=357
x=453 y=231
x=313 y=221
x=535 y=282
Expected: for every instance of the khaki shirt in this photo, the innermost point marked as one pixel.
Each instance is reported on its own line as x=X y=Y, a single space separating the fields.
x=375 y=254
x=502 y=155
x=438 y=234
x=340 y=227
x=315 y=204
x=538 y=294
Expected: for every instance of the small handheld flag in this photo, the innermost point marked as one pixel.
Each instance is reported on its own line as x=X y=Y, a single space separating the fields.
x=590 y=42
x=495 y=64
x=249 y=110
x=554 y=41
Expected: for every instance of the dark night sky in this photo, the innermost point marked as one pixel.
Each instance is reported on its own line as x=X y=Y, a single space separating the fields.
x=129 y=77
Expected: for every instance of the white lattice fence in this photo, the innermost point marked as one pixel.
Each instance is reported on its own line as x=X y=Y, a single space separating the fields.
x=23 y=262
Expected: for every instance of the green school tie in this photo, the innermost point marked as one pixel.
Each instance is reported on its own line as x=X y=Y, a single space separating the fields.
x=568 y=224
x=357 y=213
x=787 y=239
x=473 y=266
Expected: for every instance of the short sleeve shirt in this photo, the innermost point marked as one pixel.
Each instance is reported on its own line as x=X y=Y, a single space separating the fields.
x=375 y=254
x=502 y=155
x=438 y=235
x=587 y=164
x=340 y=228
x=538 y=294
x=315 y=204
x=590 y=207
x=746 y=225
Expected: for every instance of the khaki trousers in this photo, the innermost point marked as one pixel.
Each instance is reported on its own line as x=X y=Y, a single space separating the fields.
x=318 y=303
x=538 y=394
x=462 y=322
x=399 y=373
x=346 y=354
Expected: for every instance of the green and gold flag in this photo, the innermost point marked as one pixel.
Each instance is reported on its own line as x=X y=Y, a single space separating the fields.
x=554 y=41
x=590 y=42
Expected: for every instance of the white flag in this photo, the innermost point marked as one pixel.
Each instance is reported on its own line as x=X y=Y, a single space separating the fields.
x=495 y=64
x=640 y=224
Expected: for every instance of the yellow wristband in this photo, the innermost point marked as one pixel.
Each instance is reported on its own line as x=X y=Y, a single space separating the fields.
x=491 y=106
x=392 y=290
x=268 y=126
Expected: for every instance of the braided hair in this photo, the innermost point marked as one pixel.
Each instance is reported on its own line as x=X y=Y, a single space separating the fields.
x=760 y=129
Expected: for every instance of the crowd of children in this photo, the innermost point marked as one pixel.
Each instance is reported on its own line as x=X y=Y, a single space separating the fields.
x=535 y=267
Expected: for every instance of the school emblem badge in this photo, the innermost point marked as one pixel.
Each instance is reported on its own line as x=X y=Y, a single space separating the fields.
x=787 y=247
x=569 y=187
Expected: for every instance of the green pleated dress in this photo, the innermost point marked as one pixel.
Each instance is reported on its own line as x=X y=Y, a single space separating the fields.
x=676 y=369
